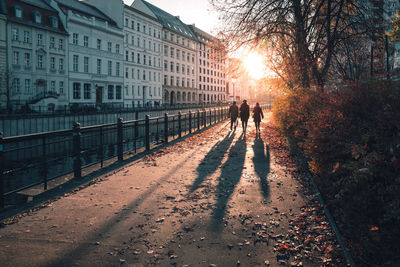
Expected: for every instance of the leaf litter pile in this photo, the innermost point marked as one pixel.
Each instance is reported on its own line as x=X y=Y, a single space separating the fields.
x=309 y=235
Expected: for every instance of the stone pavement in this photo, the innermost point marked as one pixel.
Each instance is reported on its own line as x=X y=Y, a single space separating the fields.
x=217 y=198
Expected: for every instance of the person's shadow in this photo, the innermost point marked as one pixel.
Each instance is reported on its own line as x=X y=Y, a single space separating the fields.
x=261 y=161
x=230 y=177
x=212 y=160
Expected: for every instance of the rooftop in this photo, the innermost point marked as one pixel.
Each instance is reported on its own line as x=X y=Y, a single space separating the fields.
x=171 y=22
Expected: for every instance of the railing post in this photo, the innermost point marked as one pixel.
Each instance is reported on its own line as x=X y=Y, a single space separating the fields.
x=190 y=121
x=120 y=148
x=210 y=116
x=179 y=124
x=198 y=119
x=44 y=159
x=204 y=118
x=76 y=139
x=147 y=132
x=215 y=115
x=2 y=202
x=166 y=127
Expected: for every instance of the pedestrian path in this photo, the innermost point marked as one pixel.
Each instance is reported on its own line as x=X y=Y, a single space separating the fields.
x=217 y=198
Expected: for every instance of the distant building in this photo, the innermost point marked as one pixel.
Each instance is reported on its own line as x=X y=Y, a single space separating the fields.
x=142 y=45
x=36 y=55
x=95 y=55
x=3 y=56
x=210 y=67
x=179 y=56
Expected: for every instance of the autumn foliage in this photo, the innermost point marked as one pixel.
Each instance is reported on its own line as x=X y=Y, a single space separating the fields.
x=351 y=139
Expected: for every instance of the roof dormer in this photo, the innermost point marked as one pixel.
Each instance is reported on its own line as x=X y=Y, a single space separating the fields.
x=18 y=12
x=53 y=21
x=37 y=17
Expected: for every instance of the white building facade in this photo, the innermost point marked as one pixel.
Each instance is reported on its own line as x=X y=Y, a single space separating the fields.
x=95 y=56
x=210 y=68
x=178 y=53
x=37 y=56
x=142 y=58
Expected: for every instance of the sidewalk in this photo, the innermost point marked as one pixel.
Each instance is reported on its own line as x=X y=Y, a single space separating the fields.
x=199 y=202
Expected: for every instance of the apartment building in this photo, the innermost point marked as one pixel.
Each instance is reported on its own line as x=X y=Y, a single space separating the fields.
x=36 y=55
x=96 y=74
x=142 y=45
x=179 y=56
x=211 y=56
x=3 y=55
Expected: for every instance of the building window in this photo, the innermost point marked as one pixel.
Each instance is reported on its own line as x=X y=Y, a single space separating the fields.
x=110 y=92
x=133 y=73
x=165 y=50
x=38 y=17
x=15 y=34
x=76 y=90
x=126 y=73
x=117 y=66
x=52 y=42
x=126 y=22
x=40 y=39
x=27 y=59
x=138 y=58
x=18 y=12
x=75 y=63
x=27 y=37
x=61 y=64
x=54 y=22
x=86 y=91
x=61 y=87
x=40 y=61
x=75 y=38
x=138 y=27
x=126 y=55
x=177 y=67
x=133 y=90
x=109 y=46
x=86 y=64
x=17 y=85
x=86 y=41
x=16 y=58
x=117 y=48
x=118 y=93
x=109 y=68
x=27 y=86
x=132 y=24
x=99 y=44
x=138 y=74
x=133 y=56
x=172 y=52
x=144 y=59
x=98 y=66
x=172 y=67
x=53 y=63
x=61 y=44
x=165 y=79
x=144 y=75
x=53 y=86
x=165 y=65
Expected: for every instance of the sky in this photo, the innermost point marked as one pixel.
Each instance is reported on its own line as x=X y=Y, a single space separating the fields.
x=198 y=12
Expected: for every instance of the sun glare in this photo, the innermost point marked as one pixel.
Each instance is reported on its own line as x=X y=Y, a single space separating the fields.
x=254 y=65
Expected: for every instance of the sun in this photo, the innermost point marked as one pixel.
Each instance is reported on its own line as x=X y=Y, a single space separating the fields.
x=254 y=65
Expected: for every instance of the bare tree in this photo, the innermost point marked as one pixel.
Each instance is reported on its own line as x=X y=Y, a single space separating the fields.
x=302 y=36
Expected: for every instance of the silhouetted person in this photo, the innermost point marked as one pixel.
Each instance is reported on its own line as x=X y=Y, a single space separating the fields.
x=233 y=114
x=257 y=116
x=244 y=115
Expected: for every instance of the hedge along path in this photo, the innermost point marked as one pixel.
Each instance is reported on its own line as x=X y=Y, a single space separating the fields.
x=216 y=198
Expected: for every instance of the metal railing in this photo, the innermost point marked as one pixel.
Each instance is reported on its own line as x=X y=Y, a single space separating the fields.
x=31 y=160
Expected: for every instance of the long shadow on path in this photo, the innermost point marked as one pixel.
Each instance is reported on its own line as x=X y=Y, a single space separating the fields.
x=261 y=161
x=230 y=177
x=212 y=160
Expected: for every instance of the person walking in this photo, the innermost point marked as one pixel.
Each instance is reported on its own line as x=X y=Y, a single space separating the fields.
x=233 y=114
x=257 y=116
x=244 y=115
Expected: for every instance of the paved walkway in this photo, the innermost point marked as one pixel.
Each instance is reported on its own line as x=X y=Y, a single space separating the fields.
x=215 y=199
